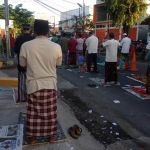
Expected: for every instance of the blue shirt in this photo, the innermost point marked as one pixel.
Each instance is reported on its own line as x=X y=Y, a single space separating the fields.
x=80 y=60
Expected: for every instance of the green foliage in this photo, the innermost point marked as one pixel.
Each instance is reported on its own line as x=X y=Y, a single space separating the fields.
x=18 y=14
x=83 y=23
x=126 y=12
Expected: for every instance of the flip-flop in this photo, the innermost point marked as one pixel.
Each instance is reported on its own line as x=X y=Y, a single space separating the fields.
x=31 y=140
x=72 y=133
x=77 y=129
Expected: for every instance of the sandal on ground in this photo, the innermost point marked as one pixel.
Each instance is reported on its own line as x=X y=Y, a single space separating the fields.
x=77 y=129
x=31 y=140
x=104 y=84
x=72 y=133
x=52 y=139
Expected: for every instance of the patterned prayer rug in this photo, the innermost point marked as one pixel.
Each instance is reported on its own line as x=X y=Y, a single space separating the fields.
x=40 y=140
x=139 y=91
x=139 y=78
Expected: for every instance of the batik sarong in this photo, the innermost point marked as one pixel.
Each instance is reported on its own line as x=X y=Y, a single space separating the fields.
x=148 y=81
x=111 y=72
x=124 y=61
x=22 y=91
x=42 y=113
x=72 y=58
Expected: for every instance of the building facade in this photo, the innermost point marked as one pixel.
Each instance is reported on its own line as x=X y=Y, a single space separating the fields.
x=68 y=18
x=104 y=24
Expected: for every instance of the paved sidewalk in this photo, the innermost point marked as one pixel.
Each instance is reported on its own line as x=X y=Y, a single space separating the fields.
x=9 y=112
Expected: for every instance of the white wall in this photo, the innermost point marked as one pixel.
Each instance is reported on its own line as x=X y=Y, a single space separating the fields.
x=2 y=24
x=75 y=12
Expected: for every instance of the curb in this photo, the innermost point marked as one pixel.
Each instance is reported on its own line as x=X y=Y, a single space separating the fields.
x=8 y=81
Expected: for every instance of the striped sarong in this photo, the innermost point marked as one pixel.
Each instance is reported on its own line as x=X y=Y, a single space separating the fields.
x=42 y=113
x=22 y=90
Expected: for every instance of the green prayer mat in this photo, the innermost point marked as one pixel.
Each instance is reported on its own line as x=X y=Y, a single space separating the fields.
x=101 y=63
x=40 y=140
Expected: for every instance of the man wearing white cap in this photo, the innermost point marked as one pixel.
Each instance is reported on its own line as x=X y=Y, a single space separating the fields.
x=125 y=43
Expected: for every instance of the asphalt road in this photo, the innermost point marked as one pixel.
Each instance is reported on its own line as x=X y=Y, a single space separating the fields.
x=132 y=113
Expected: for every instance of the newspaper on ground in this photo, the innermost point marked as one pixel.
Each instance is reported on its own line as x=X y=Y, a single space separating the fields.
x=11 y=137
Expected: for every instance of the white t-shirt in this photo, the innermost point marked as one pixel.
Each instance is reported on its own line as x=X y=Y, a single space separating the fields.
x=111 y=50
x=92 y=44
x=125 y=43
x=80 y=42
x=41 y=57
x=148 y=46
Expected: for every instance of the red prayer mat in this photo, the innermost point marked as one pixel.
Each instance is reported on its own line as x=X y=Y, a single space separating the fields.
x=139 y=91
x=139 y=78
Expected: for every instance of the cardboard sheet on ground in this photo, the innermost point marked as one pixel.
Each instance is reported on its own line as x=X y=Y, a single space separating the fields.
x=11 y=137
x=139 y=78
x=138 y=91
x=100 y=81
x=40 y=140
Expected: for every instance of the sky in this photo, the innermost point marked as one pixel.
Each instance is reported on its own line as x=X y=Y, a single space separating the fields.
x=60 y=5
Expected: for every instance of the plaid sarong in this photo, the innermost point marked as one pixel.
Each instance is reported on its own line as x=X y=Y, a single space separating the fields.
x=42 y=113
x=22 y=93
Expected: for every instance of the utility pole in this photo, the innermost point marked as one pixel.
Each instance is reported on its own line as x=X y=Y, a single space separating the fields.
x=83 y=9
x=83 y=15
x=7 y=28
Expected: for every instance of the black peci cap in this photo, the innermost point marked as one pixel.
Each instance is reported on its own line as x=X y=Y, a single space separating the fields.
x=41 y=24
x=26 y=25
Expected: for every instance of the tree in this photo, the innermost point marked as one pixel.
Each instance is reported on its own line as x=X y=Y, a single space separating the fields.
x=83 y=24
x=18 y=14
x=126 y=12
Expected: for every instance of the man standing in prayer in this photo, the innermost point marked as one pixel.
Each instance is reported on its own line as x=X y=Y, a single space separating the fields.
x=64 y=47
x=125 y=44
x=111 y=46
x=72 y=43
x=22 y=92
x=92 y=45
x=41 y=57
x=12 y=44
x=79 y=47
x=147 y=58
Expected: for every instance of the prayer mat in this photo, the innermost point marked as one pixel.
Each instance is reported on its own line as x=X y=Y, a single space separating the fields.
x=101 y=63
x=139 y=91
x=139 y=78
x=41 y=140
x=100 y=81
